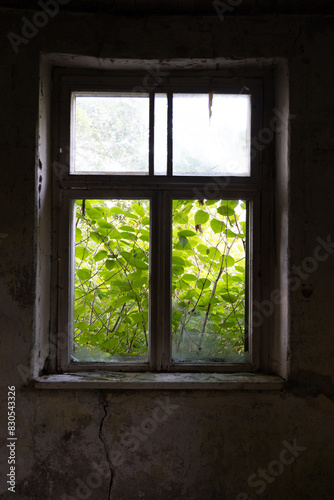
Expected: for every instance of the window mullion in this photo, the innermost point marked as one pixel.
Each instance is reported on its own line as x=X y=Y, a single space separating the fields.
x=160 y=282
x=151 y=135
x=170 y=134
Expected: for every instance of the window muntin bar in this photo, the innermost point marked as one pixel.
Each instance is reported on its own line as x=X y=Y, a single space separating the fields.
x=160 y=134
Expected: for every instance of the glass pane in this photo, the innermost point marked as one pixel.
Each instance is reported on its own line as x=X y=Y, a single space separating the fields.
x=111 y=280
x=208 y=281
x=211 y=134
x=111 y=134
x=160 y=134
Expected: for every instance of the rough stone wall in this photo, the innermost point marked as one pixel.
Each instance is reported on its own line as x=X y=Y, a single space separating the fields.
x=196 y=445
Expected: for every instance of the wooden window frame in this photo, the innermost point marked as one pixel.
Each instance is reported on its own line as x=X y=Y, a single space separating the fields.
x=160 y=190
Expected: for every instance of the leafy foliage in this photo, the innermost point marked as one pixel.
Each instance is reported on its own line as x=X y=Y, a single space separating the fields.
x=112 y=282
x=111 y=278
x=208 y=279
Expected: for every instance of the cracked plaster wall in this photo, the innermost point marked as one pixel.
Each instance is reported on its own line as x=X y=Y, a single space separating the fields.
x=119 y=445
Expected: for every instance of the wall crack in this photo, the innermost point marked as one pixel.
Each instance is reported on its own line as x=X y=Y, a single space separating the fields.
x=104 y=442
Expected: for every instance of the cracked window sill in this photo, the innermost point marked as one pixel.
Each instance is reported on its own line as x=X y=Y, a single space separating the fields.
x=138 y=381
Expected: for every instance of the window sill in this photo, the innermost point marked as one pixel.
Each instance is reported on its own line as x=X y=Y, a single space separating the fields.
x=181 y=381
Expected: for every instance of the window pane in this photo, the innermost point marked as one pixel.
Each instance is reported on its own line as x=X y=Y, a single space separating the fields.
x=211 y=134
x=111 y=280
x=111 y=134
x=208 y=281
x=160 y=134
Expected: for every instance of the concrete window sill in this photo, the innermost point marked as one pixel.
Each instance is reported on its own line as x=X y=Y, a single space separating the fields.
x=181 y=381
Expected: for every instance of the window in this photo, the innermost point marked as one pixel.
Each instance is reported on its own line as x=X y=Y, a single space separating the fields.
x=160 y=222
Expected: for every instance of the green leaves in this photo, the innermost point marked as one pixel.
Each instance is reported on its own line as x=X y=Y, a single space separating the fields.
x=228 y=261
x=139 y=283
x=83 y=274
x=178 y=260
x=104 y=224
x=201 y=217
x=209 y=285
x=102 y=254
x=183 y=241
x=111 y=279
x=110 y=264
x=227 y=208
x=115 y=235
x=138 y=209
x=78 y=235
x=217 y=226
x=116 y=210
x=82 y=252
x=186 y=233
x=203 y=283
x=181 y=219
x=189 y=277
x=112 y=284
x=94 y=213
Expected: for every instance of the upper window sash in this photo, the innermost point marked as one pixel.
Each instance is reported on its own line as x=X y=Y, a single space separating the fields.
x=70 y=85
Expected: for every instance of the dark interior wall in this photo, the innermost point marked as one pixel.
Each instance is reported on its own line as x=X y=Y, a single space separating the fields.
x=212 y=444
